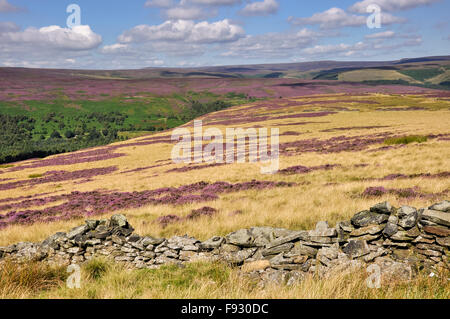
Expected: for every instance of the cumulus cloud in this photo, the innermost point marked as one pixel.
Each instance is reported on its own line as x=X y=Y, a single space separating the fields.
x=159 y=3
x=212 y=2
x=8 y=27
x=271 y=45
x=381 y=35
x=53 y=37
x=338 y=18
x=188 y=13
x=114 y=48
x=5 y=6
x=264 y=7
x=380 y=45
x=390 y=5
x=335 y=48
x=184 y=31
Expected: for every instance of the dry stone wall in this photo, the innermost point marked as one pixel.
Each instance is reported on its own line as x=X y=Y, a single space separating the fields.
x=400 y=241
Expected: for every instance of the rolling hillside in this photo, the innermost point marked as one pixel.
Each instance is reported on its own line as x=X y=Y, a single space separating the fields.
x=336 y=149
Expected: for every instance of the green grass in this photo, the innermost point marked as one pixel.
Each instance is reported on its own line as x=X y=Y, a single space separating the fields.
x=422 y=74
x=35 y=175
x=96 y=268
x=406 y=140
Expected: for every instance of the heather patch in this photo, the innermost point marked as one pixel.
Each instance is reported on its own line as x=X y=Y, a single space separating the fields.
x=193 y=168
x=195 y=213
x=392 y=177
x=409 y=193
x=58 y=176
x=354 y=128
x=360 y=165
x=139 y=169
x=88 y=156
x=22 y=198
x=290 y=133
x=84 y=204
x=168 y=219
x=411 y=108
x=204 y=211
x=333 y=145
x=251 y=119
x=299 y=123
x=303 y=169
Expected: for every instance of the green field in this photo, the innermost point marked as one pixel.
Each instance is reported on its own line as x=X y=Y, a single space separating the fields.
x=37 y=128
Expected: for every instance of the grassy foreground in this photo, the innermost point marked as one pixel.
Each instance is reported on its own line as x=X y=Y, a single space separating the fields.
x=101 y=279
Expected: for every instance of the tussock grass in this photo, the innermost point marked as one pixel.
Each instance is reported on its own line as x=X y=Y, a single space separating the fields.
x=29 y=279
x=96 y=268
x=204 y=280
x=406 y=140
x=35 y=176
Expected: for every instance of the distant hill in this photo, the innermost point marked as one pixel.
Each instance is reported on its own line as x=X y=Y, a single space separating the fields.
x=49 y=111
x=427 y=71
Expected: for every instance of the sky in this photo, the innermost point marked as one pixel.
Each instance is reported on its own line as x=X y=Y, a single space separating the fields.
x=105 y=34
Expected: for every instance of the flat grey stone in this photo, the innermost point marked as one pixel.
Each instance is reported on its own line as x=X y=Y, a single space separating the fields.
x=119 y=220
x=323 y=230
x=436 y=216
x=277 y=249
x=290 y=238
x=408 y=216
x=367 y=230
x=241 y=238
x=151 y=241
x=382 y=208
x=212 y=243
x=443 y=206
x=80 y=230
x=356 y=248
x=366 y=218
x=302 y=250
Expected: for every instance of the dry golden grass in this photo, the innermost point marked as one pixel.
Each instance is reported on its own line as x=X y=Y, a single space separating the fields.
x=101 y=279
x=26 y=280
x=332 y=195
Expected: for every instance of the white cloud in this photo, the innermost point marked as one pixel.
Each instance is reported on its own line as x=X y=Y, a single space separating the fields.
x=362 y=49
x=114 y=48
x=338 y=18
x=212 y=2
x=264 y=7
x=271 y=45
x=335 y=48
x=53 y=37
x=159 y=3
x=8 y=27
x=381 y=35
x=5 y=6
x=184 y=31
x=390 y=5
x=188 y=13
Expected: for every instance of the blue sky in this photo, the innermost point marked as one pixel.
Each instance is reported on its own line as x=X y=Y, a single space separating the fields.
x=147 y=33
